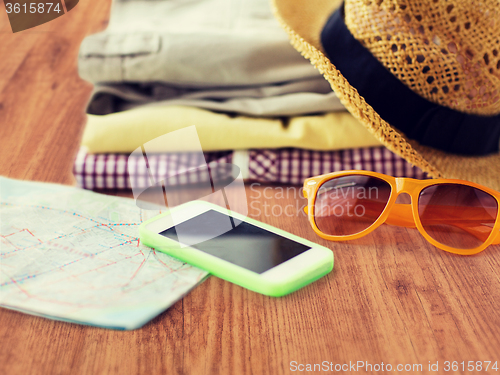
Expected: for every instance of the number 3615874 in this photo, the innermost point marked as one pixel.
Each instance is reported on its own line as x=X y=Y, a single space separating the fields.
x=33 y=8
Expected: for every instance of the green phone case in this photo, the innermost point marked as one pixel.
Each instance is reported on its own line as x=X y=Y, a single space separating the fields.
x=302 y=276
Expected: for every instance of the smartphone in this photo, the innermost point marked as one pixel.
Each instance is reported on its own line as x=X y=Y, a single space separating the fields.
x=248 y=253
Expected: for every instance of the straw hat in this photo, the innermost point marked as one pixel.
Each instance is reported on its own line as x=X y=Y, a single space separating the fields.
x=423 y=76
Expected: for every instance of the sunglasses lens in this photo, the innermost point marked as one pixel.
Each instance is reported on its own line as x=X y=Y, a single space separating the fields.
x=350 y=204
x=456 y=215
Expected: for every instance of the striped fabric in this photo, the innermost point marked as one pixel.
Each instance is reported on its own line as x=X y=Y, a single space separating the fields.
x=287 y=166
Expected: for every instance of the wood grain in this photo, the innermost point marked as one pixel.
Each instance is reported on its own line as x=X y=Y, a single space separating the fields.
x=391 y=298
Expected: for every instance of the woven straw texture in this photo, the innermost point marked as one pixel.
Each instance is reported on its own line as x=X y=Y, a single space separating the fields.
x=446 y=51
x=303 y=20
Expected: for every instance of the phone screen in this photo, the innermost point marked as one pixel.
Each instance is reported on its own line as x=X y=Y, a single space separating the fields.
x=246 y=245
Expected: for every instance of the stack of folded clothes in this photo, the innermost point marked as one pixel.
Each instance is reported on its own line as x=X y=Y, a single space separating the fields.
x=226 y=67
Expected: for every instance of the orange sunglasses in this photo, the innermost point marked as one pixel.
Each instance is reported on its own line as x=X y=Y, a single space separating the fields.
x=454 y=215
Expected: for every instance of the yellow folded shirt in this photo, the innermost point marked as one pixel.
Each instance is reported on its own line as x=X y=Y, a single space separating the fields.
x=125 y=131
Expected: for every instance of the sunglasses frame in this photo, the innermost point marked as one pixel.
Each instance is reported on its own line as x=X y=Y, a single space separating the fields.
x=398 y=185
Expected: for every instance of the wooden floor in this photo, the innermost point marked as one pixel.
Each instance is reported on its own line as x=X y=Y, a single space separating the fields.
x=391 y=298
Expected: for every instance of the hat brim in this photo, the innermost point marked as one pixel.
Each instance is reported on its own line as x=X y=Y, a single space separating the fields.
x=304 y=20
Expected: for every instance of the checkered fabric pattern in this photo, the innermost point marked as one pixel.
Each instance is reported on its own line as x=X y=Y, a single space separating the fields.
x=293 y=166
x=287 y=166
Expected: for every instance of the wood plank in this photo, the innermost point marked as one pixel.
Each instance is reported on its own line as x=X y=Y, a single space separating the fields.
x=42 y=98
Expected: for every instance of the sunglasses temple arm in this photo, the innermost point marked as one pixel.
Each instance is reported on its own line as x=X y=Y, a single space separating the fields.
x=401 y=215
